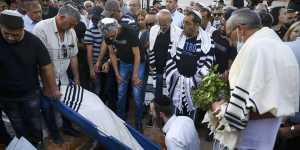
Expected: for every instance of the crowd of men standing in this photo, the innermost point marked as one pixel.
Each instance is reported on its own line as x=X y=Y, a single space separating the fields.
x=121 y=52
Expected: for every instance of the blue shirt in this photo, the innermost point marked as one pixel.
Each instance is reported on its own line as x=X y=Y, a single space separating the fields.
x=28 y=23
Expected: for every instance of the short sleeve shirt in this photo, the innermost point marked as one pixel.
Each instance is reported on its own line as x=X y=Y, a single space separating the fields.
x=60 y=51
x=19 y=65
x=126 y=40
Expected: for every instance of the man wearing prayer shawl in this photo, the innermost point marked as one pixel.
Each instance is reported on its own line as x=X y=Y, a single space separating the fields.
x=264 y=82
x=190 y=58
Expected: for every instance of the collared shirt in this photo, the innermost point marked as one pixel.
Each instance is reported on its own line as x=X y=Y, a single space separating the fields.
x=60 y=50
x=28 y=23
x=178 y=19
x=181 y=134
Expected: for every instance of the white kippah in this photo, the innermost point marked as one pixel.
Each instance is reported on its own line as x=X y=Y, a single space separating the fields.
x=11 y=13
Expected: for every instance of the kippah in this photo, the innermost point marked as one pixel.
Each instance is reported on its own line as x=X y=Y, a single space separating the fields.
x=11 y=19
x=107 y=25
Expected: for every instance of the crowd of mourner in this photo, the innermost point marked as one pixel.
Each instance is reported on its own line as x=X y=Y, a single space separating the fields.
x=154 y=58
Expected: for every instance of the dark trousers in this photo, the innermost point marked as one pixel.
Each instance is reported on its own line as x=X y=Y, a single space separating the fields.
x=4 y=135
x=159 y=85
x=49 y=116
x=24 y=114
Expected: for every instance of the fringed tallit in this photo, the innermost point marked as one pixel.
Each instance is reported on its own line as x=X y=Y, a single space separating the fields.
x=264 y=77
x=151 y=82
x=180 y=86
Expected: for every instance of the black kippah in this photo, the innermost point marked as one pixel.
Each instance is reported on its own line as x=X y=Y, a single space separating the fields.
x=11 y=20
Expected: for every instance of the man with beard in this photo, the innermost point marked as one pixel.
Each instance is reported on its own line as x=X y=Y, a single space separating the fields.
x=22 y=57
x=190 y=58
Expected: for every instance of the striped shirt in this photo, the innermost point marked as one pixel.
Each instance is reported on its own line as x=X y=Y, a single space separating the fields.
x=94 y=37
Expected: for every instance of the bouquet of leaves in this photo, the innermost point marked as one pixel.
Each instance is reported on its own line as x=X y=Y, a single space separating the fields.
x=212 y=88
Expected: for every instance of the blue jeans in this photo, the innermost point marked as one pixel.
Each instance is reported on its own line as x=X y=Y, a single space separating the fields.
x=126 y=71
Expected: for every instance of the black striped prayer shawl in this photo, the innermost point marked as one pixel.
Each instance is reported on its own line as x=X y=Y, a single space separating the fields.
x=179 y=86
x=151 y=82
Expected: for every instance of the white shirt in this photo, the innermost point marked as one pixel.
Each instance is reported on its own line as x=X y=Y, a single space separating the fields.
x=28 y=23
x=181 y=134
x=177 y=19
x=47 y=31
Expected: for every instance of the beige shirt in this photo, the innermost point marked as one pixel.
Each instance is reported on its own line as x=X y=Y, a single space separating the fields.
x=59 y=50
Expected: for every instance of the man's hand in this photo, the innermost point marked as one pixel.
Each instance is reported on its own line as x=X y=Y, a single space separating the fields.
x=97 y=67
x=92 y=75
x=105 y=67
x=119 y=79
x=77 y=81
x=216 y=106
x=136 y=81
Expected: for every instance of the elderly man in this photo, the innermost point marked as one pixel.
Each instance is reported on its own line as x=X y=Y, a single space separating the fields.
x=60 y=39
x=190 y=58
x=33 y=15
x=261 y=91
x=162 y=36
x=22 y=57
x=177 y=17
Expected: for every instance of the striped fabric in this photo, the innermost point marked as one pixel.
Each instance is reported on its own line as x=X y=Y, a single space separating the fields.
x=178 y=85
x=92 y=109
x=93 y=37
x=73 y=96
x=151 y=82
x=238 y=108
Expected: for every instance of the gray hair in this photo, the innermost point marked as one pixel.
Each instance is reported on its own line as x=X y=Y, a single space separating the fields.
x=164 y=12
x=244 y=17
x=69 y=11
x=107 y=25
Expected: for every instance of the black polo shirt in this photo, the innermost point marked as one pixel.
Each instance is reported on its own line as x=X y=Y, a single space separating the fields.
x=19 y=64
x=125 y=41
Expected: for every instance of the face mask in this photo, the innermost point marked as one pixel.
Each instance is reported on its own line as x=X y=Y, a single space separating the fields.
x=239 y=44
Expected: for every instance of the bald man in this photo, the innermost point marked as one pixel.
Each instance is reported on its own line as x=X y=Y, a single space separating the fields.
x=162 y=36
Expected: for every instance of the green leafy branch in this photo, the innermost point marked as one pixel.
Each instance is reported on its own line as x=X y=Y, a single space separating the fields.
x=212 y=88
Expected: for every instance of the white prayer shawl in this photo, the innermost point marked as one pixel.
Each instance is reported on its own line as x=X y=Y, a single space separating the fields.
x=264 y=77
x=93 y=109
x=210 y=29
x=179 y=86
x=151 y=82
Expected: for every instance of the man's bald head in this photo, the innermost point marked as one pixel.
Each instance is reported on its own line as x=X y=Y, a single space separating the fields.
x=164 y=19
x=164 y=14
